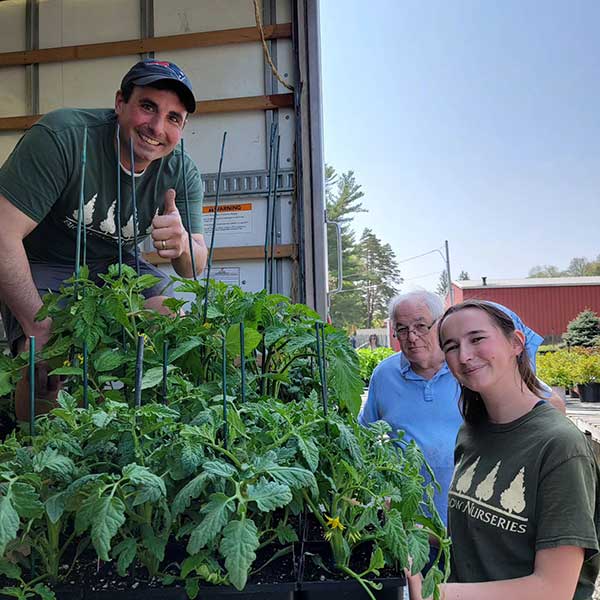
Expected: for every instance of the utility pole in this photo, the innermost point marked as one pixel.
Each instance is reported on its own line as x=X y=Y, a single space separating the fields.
x=448 y=274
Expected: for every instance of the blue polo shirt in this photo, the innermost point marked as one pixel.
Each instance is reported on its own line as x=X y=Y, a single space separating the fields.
x=425 y=409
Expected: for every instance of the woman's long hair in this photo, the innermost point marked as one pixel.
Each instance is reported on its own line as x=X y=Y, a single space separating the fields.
x=471 y=404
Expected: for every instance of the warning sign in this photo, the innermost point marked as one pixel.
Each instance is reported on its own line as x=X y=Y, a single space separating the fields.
x=228 y=275
x=231 y=218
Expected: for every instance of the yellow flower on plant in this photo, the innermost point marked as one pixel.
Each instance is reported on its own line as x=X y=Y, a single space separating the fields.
x=66 y=363
x=80 y=357
x=334 y=523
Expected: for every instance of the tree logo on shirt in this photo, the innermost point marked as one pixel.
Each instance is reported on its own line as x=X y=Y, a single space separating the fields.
x=107 y=227
x=513 y=497
x=502 y=512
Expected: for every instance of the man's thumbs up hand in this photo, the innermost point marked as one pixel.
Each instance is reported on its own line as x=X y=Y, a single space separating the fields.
x=168 y=233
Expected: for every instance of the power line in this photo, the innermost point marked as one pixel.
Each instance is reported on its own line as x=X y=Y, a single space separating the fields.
x=418 y=256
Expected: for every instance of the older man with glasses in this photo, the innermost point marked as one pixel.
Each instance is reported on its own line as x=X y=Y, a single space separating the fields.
x=415 y=392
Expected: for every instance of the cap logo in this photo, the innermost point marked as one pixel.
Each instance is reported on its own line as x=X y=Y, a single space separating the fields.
x=160 y=63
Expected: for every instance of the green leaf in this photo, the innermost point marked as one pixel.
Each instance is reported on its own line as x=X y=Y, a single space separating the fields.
x=377 y=561
x=367 y=517
x=418 y=549
x=412 y=494
x=212 y=312
x=286 y=534
x=108 y=518
x=189 y=492
x=344 y=374
x=295 y=477
x=192 y=587
x=310 y=451
x=10 y=570
x=299 y=342
x=274 y=333
x=9 y=522
x=232 y=340
x=152 y=377
x=5 y=383
x=109 y=360
x=144 y=282
x=395 y=536
x=434 y=577
x=153 y=543
x=269 y=495
x=67 y=371
x=51 y=461
x=150 y=487
x=219 y=468
x=191 y=454
x=349 y=442
x=26 y=500
x=125 y=552
x=14 y=592
x=101 y=419
x=238 y=545
x=44 y=592
x=216 y=514
x=183 y=348
x=55 y=507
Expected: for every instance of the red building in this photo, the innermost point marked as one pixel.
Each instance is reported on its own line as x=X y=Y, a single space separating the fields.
x=545 y=304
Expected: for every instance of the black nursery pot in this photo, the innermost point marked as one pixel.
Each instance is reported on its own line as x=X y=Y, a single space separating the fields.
x=350 y=590
x=270 y=591
x=589 y=392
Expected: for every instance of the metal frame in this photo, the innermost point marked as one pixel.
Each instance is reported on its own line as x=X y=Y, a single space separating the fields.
x=310 y=156
x=147 y=23
x=248 y=183
x=32 y=36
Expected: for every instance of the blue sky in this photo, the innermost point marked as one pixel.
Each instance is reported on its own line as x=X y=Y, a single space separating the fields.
x=474 y=121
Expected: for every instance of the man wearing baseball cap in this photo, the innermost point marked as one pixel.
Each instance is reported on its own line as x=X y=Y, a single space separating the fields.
x=136 y=143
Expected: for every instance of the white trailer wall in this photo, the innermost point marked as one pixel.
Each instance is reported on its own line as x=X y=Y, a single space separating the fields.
x=236 y=70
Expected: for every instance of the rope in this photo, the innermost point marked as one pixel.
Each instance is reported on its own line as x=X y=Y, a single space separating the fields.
x=266 y=52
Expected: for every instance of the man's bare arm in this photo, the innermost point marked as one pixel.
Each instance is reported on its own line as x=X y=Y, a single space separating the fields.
x=17 y=288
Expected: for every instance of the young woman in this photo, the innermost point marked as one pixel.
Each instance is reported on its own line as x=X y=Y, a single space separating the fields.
x=524 y=507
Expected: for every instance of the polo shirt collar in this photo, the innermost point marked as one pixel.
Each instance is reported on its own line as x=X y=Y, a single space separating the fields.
x=407 y=371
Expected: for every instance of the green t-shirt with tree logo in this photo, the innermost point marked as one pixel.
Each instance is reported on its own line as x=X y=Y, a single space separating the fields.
x=521 y=487
x=42 y=178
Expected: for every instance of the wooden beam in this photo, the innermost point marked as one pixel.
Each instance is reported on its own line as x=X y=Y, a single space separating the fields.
x=157 y=44
x=235 y=253
x=203 y=107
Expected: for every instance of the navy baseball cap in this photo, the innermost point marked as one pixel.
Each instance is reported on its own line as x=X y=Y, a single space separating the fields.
x=148 y=71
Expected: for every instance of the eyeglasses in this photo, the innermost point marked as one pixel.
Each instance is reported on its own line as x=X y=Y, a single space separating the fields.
x=419 y=329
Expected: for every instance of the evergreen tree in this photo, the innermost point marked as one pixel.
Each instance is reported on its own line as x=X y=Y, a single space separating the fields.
x=583 y=330
x=380 y=279
x=343 y=197
x=442 y=286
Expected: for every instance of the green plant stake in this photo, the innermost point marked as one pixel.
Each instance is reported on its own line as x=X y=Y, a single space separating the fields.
x=80 y=224
x=270 y=187
x=134 y=208
x=212 y=234
x=119 y=232
x=85 y=375
x=242 y=362
x=139 y=364
x=32 y=385
x=164 y=371
x=224 y=375
x=321 y=363
x=188 y=220
x=273 y=206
